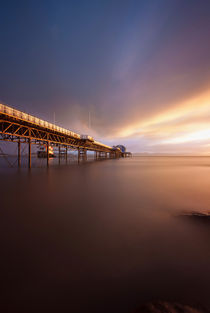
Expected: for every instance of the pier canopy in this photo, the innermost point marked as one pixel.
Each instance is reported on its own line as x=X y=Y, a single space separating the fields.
x=121 y=147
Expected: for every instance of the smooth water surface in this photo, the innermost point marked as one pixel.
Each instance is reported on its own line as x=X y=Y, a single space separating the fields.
x=104 y=236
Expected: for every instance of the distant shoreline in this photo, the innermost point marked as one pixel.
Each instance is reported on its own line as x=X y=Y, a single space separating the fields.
x=168 y=155
x=133 y=154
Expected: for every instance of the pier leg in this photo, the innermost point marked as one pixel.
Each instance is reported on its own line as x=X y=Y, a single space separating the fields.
x=29 y=152
x=78 y=155
x=66 y=154
x=59 y=154
x=85 y=155
x=48 y=154
x=19 y=154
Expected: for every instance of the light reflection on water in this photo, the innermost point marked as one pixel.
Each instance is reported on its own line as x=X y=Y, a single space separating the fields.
x=103 y=236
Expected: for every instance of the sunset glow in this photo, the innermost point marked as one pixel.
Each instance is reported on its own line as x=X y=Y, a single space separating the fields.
x=187 y=121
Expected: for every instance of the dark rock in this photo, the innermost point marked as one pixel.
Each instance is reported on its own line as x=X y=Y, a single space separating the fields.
x=168 y=307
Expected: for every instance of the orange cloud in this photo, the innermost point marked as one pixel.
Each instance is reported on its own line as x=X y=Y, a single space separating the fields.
x=185 y=122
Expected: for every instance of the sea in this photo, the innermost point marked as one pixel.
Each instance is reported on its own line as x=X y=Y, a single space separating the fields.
x=104 y=236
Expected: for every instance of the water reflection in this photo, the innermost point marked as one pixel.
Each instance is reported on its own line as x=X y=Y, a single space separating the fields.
x=103 y=237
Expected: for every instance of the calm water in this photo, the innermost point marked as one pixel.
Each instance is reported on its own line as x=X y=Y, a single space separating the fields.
x=104 y=236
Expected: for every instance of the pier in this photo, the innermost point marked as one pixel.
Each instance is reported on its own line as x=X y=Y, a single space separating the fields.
x=20 y=127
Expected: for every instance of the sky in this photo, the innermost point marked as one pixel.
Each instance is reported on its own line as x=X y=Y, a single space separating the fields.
x=126 y=72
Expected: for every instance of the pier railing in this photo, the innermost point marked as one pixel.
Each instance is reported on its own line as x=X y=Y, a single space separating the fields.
x=34 y=120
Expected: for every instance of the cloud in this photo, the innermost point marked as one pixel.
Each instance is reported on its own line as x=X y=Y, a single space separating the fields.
x=186 y=122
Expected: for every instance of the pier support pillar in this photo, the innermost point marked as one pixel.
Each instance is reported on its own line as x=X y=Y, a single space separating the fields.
x=66 y=154
x=78 y=150
x=82 y=153
x=59 y=154
x=85 y=155
x=19 y=154
x=48 y=154
x=29 y=152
